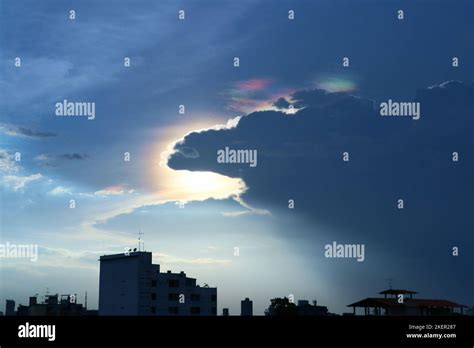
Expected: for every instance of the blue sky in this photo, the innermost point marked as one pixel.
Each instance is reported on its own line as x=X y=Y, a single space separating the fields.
x=190 y=63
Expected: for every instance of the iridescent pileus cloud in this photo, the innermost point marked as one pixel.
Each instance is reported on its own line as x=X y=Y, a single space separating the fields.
x=336 y=84
x=254 y=94
x=253 y=84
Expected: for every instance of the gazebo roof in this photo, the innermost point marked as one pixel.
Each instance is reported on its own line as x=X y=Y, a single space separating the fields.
x=392 y=302
x=396 y=292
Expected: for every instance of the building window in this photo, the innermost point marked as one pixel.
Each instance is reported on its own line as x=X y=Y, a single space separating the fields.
x=195 y=310
x=153 y=283
x=173 y=283
x=173 y=310
x=195 y=297
x=214 y=298
x=153 y=310
x=153 y=296
x=173 y=297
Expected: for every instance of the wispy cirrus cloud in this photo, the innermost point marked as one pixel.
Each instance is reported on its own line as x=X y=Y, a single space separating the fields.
x=113 y=190
x=9 y=170
x=20 y=131
x=60 y=190
x=52 y=160
x=73 y=156
x=18 y=183
x=7 y=164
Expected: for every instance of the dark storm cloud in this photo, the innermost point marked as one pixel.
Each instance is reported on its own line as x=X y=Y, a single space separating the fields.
x=300 y=158
x=281 y=103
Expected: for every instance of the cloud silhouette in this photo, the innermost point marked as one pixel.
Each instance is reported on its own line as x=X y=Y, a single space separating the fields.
x=300 y=157
x=281 y=103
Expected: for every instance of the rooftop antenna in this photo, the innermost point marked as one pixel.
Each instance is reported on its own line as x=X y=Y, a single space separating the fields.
x=140 y=240
x=85 y=301
x=389 y=283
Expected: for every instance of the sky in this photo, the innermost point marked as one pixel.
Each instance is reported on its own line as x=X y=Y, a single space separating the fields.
x=195 y=211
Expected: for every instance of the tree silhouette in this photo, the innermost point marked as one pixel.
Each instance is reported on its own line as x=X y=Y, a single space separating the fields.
x=282 y=307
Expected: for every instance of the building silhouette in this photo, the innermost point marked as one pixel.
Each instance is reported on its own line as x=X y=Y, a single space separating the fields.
x=305 y=308
x=10 y=307
x=53 y=305
x=225 y=312
x=285 y=307
x=401 y=302
x=131 y=285
x=246 y=307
